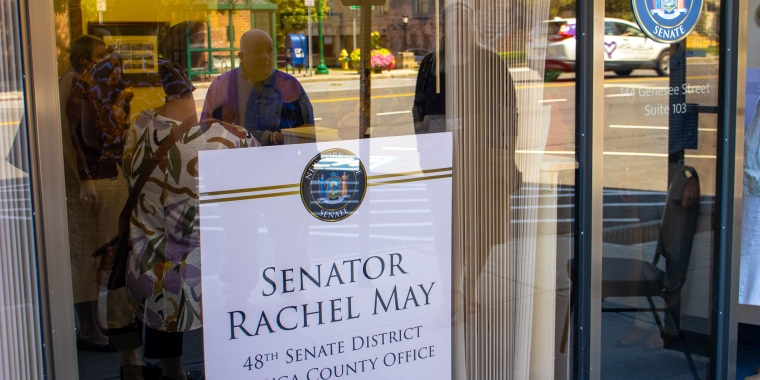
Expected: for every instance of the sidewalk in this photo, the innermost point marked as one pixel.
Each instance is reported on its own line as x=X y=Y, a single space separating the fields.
x=334 y=76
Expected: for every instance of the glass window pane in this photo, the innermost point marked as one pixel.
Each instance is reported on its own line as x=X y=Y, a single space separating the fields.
x=20 y=327
x=660 y=132
x=462 y=115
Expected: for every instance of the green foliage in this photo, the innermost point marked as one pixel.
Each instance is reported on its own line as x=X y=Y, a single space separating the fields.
x=551 y=75
x=355 y=58
x=293 y=17
x=375 y=40
x=709 y=26
x=613 y=8
x=619 y=9
x=513 y=56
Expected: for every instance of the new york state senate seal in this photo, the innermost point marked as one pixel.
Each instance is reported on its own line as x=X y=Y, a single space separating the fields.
x=333 y=185
x=667 y=21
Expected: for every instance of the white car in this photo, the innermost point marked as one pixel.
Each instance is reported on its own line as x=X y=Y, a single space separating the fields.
x=626 y=47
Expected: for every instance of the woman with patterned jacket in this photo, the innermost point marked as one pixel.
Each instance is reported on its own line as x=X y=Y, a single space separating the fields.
x=164 y=274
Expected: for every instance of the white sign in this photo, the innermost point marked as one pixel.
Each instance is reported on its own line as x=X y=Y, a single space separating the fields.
x=309 y=3
x=299 y=52
x=326 y=260
x=101 y=5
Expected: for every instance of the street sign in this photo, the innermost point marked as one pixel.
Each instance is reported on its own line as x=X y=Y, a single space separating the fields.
x=101 y=5
x=309 y=3
x=362 y=2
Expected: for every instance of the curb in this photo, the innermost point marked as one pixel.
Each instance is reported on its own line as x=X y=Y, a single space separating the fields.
x=337 y=77
x=354 y=76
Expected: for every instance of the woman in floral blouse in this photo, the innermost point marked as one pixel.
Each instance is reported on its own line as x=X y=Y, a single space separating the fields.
x=164 y=275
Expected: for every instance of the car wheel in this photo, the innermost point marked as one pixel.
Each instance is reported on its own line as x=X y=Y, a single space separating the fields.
x=663 y=63
x=623 y=73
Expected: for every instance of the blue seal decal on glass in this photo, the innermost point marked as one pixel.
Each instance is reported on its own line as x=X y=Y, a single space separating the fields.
x=333 y=185
x=667 y=21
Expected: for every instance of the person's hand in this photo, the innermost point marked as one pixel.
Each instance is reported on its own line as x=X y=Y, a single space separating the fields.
x=87 y=193
x=278 y=138
x=120 y=106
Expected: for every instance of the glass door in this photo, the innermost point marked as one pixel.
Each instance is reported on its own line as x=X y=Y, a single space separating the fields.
x=659 y=200
x=405 y=209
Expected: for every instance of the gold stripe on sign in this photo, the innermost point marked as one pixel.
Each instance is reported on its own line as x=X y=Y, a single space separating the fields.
x=369 y=178
x=286 y=193
x=293 y=185
x=252 y=189
x=232 y=199
x=432 y=177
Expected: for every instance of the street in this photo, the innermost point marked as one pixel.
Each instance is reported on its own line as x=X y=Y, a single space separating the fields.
x=636 y=126
x=635 y=133
x=635 y=136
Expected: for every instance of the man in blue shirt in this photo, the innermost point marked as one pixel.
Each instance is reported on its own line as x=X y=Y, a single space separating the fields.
x=257 y=96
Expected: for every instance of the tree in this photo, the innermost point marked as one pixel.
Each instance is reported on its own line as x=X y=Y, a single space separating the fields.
x=613 y=8
x=293 y=17
x=619 y=9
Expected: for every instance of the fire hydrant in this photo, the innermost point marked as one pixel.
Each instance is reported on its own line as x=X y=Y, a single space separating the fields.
x=344 y=59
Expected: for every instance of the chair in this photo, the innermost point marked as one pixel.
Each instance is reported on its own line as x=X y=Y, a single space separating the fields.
x=623 y=277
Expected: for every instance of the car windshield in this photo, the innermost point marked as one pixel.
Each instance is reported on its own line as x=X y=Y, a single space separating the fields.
x=630 y=30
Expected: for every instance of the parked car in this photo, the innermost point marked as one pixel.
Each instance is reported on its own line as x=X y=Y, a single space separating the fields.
x=626 y=47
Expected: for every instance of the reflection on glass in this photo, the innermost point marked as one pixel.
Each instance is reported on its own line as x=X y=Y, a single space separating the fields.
x=19 y=298
x=659 y=188
x=255 y=95
x=158 y=83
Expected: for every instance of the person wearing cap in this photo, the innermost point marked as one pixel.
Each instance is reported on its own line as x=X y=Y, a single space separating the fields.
x=256 y=96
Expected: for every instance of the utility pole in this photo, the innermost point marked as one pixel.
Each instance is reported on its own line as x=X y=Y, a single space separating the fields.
x=322 y=68
x=353 y=13
x=405 y=20
x=365 y=84
x=309 y=4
